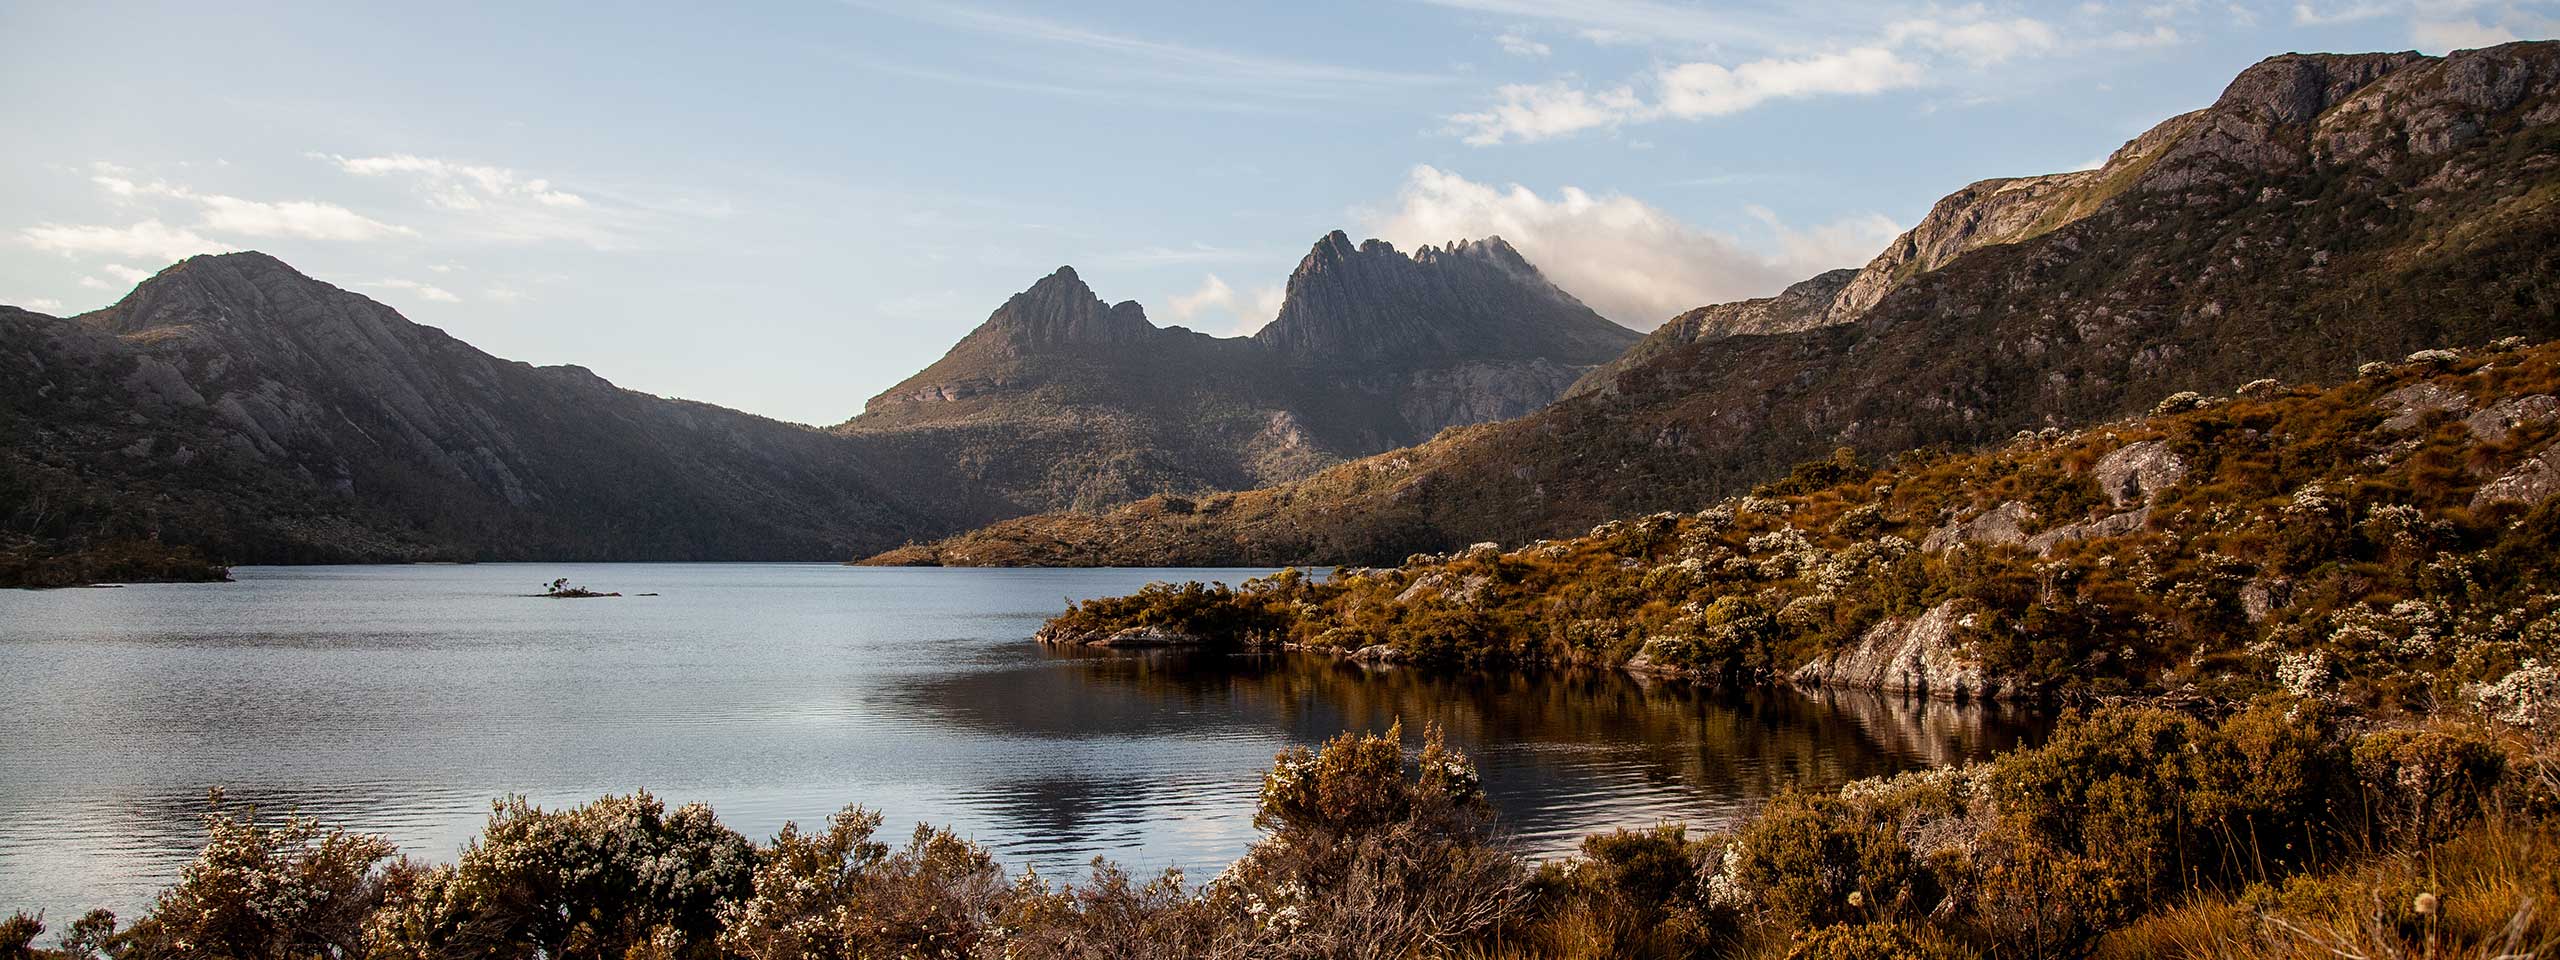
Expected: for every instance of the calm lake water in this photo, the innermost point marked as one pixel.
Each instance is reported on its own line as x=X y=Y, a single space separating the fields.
x=401 y=700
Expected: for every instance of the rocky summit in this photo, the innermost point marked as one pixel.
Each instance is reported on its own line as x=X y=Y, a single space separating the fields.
x=1061 y=400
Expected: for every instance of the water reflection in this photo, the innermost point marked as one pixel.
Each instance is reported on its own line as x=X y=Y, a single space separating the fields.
x=402 y=700
x=1563 y=752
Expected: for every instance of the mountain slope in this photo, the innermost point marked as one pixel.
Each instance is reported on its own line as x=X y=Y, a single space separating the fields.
x=265 y=415
x=2326 y=211
x=1063 y=401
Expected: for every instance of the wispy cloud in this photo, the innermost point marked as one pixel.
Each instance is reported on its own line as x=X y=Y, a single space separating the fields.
x=1527 y=112
x=1725 y=58
x=1609 y=20
x=1194 y=253
x=147 y=239
x=37 y=304
x=495 y=203
x=1631 y=261
x=219 y=220
x=1153 y=61
x=1518 y=43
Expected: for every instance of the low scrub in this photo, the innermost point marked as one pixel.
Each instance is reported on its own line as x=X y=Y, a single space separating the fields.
x=2279 y=829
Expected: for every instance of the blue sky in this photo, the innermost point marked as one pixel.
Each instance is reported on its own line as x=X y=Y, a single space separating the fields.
x=787 y=207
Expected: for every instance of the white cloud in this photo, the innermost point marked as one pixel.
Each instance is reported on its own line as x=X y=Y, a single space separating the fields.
x=147 y=239
x=2465 y=34
x=309 y=219
x=1978 y=42
x=503 y=295
x=462 y=186
x=1519 y=44
x=1540 y=111
x=1631 y=261
x=1215 y=298
x=37 y=304
x=424 y=291
x=2159 y=36
x=218 y=214
x=118 y=277
x=499 y=204
x=1705 y=89
x=1527 y=112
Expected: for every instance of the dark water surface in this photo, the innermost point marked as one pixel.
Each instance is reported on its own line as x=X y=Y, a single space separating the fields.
x=401 y=700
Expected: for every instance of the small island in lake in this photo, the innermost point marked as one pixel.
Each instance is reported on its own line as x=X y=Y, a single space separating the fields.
x=561 y=590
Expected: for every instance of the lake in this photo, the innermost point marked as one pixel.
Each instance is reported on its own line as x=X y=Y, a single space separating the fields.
x=403 y=699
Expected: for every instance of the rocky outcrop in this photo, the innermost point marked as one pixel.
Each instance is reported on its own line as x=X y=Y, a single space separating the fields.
x=1062 y=401
x=2115 y=525
x=2136 y=473
x=1125 y=638
x=2531 y=483
x=2497 y=421
x=1920 y=657
x=2005 y=523
x=1368 y=306
x=1803 y=306
x=2411 y=404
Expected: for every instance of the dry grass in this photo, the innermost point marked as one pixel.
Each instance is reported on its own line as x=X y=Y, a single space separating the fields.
x=2494 y=891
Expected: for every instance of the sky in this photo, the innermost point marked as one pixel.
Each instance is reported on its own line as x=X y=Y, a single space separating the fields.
x=787 y=207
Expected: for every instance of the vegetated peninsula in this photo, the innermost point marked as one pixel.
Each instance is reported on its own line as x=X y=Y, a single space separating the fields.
x=2325 y=211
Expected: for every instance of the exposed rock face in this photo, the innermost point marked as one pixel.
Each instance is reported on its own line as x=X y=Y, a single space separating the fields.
x=1371 y=305
x=2500 y=419
x=2136 y=472
x=2411 y=404
x=1061 y=401
x=2530 y=483
x=1803 y=306
x=2004 y=523
x=2116 y=525
x=1920 y=657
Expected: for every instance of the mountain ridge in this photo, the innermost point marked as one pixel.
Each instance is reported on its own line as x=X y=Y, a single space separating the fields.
x=2301 y=225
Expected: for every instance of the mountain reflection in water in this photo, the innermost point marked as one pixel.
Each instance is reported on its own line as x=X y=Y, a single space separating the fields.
x=402 y=700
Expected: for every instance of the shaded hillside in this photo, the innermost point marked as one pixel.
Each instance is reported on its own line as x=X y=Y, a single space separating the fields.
x=2392 y=529
x=2326 y=211
x=1063 y=401
x=233 y=404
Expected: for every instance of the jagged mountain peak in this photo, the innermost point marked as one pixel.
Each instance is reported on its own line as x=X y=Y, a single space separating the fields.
x=1060 y=310
x=1373 y=304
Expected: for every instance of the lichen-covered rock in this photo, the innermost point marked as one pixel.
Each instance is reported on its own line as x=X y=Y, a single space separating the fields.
x=2530 y=483
x=2117 y=525
x=2412 y=403
x=2493 y=423
x=1920 y=657
x=2005 y=523
x=2136 y=473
